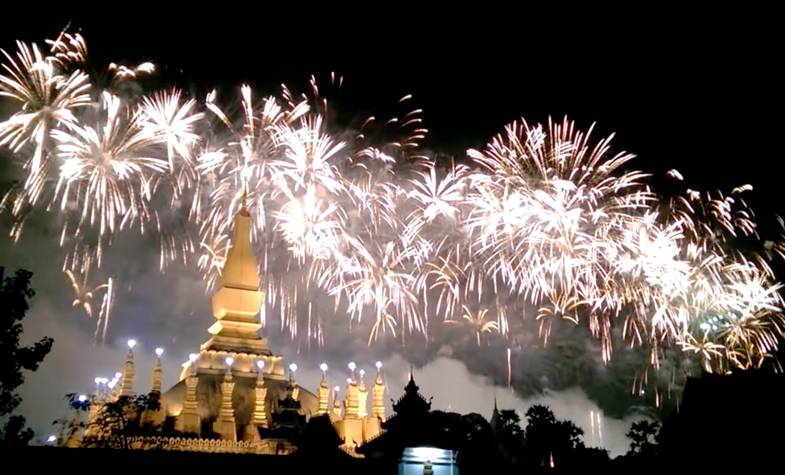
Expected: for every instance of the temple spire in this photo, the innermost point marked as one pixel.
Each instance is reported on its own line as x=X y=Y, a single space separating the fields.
x=411 y=386
x=324 y=391
x=189 y=420
x=157 y=372
x=352 y=401
x=240 y=269
x=127 y=384
x=237 y=300
x=494 y=421
x=378 y=393
x=362 y=396
x=292 y=388
x=224 y=426
x=336 y=403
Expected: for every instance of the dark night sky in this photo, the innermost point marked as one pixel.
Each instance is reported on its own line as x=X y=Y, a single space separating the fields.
x=698 y=90
x=691 y=89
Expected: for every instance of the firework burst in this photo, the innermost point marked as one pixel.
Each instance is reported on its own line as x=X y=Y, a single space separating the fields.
x=47 y=99
x=543 y=221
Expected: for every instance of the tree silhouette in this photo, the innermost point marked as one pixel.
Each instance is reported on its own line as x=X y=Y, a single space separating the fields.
x=509 y=435
x=469 y=435
x=14 y=294
x=643 y=437
x=319 y=438
x=116 y=420
x=644 y=447
x=549 y=441
x=539 y=416
x=570 y=435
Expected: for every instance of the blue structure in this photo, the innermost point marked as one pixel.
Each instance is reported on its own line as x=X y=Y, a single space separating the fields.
x=427 y=461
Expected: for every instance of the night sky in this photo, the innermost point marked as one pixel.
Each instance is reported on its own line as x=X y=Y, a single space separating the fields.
x=696 y=90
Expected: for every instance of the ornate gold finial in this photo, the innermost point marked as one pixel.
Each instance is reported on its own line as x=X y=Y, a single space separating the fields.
x=378 y=393
x=127 y=384
x=157 y=370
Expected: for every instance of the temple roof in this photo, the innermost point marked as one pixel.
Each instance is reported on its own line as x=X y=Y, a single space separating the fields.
x=411 y=425
x=412 y=402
